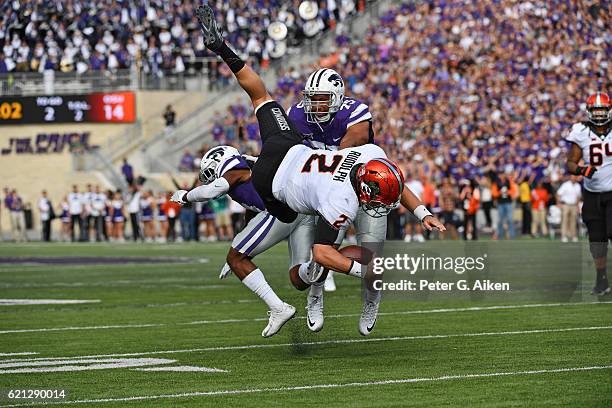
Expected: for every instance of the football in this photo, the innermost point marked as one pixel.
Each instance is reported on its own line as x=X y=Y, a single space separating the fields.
x=357 y=253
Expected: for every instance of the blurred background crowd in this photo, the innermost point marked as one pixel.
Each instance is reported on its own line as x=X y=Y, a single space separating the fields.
x=473 y=99
x=159 y=37
x=92 y=214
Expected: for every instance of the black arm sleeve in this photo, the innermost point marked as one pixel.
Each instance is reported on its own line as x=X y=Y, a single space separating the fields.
x=325 y=234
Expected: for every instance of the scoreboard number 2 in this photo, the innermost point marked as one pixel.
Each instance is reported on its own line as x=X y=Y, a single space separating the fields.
x=11 y=110
x=49 y=114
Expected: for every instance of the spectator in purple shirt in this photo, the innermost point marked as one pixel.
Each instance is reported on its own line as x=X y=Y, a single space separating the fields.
x=127 y=171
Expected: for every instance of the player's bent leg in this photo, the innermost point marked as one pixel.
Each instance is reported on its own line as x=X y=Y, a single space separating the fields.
x=300 y=243
x=597 y=215
x=598 y=245
x=371 y=233
x=259 y=235
x=278 y=136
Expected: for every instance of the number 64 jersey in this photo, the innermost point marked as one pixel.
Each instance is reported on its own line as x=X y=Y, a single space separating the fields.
x=318 y=181
x=597 y=152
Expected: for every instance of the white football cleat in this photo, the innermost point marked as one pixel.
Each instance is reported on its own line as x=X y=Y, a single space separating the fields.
x=314 y=313
x=330 y=284
x=368 y=316
x=278 y=319
x=225 y=271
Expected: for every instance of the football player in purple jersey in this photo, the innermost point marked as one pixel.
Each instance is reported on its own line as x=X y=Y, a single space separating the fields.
x=332 y=121
x=223 y=170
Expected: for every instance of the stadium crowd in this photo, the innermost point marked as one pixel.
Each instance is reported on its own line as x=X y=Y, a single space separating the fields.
x=473 y=100
x=159 y=37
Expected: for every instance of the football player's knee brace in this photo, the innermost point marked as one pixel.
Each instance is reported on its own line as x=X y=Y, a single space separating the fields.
x=599 y=249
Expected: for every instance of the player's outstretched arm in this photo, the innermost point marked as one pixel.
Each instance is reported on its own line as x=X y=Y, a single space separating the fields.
x=247 y=78
x=417 y=207
x=213 y=190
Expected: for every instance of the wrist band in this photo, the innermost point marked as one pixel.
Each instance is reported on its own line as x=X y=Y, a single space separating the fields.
x=421 y=212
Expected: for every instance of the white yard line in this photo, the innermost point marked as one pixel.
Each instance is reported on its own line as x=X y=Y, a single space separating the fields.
x=224 y=321
x=25 y=353
x=183 y=369
x=328 y=342
x=448 y=377
x=425 y=311
x=19 y=302
x=51 y=329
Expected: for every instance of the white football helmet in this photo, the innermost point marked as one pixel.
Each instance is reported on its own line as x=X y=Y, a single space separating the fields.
x=327 y=83
x=212 y=159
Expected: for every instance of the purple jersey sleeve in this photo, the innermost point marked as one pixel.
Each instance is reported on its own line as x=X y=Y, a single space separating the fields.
x=233 y=163
x=243 y=193
x=329 y=134
x=246 y=195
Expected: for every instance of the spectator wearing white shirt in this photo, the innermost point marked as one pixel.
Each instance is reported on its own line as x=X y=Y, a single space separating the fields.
x=88 y=218
x=75 y=209
x=569 y=195
x=46 y=215
x=98 y=203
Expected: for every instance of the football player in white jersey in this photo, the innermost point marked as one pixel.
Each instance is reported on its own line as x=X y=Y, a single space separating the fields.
x=591 y=141
x=292 y=178
x=330 y=120
x=223 y=170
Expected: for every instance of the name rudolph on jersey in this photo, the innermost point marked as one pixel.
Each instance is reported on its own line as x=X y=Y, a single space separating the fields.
x=346 y=166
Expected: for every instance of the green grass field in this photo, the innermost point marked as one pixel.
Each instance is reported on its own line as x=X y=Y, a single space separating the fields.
x=447 y=352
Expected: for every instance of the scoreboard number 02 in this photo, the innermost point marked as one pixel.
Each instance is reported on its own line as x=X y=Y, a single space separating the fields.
x=11 y=110
x=97 y=107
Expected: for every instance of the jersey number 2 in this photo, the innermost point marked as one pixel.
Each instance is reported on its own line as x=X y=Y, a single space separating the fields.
x=320 y=159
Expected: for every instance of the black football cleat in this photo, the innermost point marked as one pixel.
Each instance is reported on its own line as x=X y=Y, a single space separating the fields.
x=213 y=40
x=600 y=290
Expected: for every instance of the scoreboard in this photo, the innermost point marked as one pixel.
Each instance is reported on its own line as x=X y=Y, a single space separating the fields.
x=102 y=107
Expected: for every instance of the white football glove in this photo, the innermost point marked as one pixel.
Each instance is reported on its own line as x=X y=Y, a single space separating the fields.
x=178 y=196
x=225 y=272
